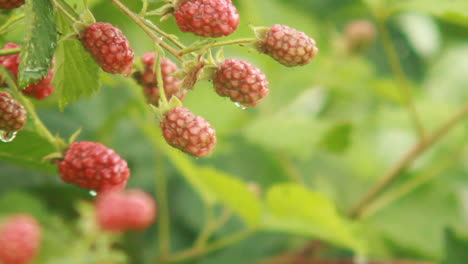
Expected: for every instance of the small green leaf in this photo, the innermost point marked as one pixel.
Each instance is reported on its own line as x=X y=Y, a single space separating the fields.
x=292 y=208
x=28 y=150
x=76 y=73
x=40 y=40
x=455 y=249
x=233 y=193
x=338 y=138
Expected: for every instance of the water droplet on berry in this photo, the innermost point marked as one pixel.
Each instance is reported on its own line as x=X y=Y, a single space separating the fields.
x=93 y=193
x=6 y=136
x=240 y=106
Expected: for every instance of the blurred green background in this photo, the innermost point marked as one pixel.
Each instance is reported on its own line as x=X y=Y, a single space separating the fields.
x=334 y=127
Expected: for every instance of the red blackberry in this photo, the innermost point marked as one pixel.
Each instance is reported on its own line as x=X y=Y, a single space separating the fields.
x=241 y=81
x=93 y=166
x=109 y=47
x=147 y=78
x=190 y=133
x=20 y=239
x=288 y=46
x=207 y=18
x=13 y=116
x=125 y=210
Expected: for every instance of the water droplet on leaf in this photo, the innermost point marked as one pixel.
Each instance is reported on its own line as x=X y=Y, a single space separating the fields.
x=93 y=193
x=240 y=106
x=6 y=136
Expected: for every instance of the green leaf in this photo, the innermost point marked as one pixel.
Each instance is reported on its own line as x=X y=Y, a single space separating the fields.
x=15 y=202
x=455 y=249
x=76 y=73
x=338 y=138
x=292 y=208
x=27 y=150
x=233 y=193
x=454 y=10
x=40 y=40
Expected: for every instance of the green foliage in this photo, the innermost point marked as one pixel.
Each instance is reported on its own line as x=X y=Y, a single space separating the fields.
x=39 y=42
x=76 y=73
x=455 y=248
x=292 y=208
x=28 y=150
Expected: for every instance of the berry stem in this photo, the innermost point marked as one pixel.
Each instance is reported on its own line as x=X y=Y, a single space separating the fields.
x=66 y=10
x=160 y=82
x=395 y=172
x=217 y=44
x=195 y=252
x=164 y=226
x=399 y=73
x=141 y=23
x=5 y=27
x=9 y=51
x=211 y=226
x=413 y=183
x=164 y=34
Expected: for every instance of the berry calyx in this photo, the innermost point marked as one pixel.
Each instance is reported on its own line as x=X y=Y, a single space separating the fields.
x=109 y=47
x=359 y=35
x=93 y=166
x=125 y=210
x=207 y=18
x=288 y=46
x=241 y=81
x=13 y=115
x=10 y=4
x=187 y=132
x=147 y=78
x=20 y=239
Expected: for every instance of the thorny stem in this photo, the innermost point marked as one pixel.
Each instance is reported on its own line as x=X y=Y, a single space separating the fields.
x=218 y=44
x=9 y=51
x=147 y=30
x=62 y=9
x=412 y=184
x=397 y=69
x=394 y=173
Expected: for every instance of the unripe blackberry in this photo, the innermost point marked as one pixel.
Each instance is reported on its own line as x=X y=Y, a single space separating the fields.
x=109 y=47
x=20 y=239
x=13 y=115
x=241 y=81
x=288 y=46
x=125 y=210
x=190 y=133
x=147 y=78
x=93 y=166
x=39 y=90
x=360 y=34
x=207 y=18
x=10 y=4
x=42 y=89
x=10 y=62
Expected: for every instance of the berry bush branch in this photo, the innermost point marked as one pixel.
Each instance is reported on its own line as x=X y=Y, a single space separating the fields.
x=143 y=25
x=397 y=69
x=395 y=172
x=414 y=183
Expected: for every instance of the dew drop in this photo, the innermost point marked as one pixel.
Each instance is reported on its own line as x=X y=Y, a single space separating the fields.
x=240 y=106
x=7 y=136
x=93 y=193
